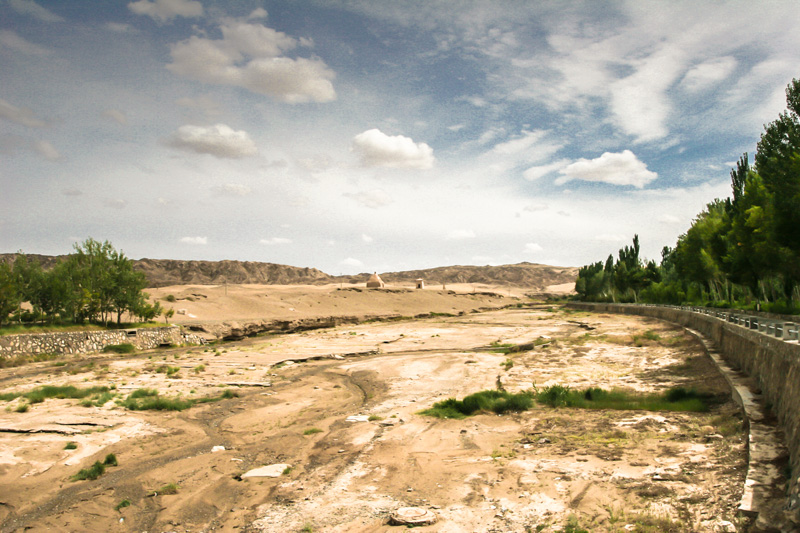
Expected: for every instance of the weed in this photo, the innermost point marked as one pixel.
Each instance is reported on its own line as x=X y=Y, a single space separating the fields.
x=122 y=505
x=110 y=460
x=199 y=368
x=287 y=471
x=227 y=394
x=311 y=431
x=507 y=364
x=307 y=528
x=373 y=418
x=71 y=446
x=572 y=525
x=23 y=408
x=485 y=401
x=91 y=473
x=167 y=490
x=675 y=399
x=123 y=348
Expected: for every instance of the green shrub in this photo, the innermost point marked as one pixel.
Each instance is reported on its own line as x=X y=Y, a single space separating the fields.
x=23 y=408
x=122 y=505
x=675 y=399
x=91 y=473
x=71 y=446
x=123 y=348
x=311 y=431
x=168 y=489
x=110 y=460
x=495 y=401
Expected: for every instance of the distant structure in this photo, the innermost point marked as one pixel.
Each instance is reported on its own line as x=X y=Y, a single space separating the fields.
x=420 y=283
x=375 y=282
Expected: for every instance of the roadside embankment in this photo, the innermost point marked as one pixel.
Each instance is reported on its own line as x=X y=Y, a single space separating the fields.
x=772 y=362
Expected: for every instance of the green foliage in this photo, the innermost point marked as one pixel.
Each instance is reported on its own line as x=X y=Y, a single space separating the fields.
x=495 y=401
x=675 y=399
x=40 y=394
x=122 y=504
x=71 y=446
x=91 y=473
x=738 y=252
x=123 y=348
x=167 y=490
x=150 y=400
x=110 y=460
x=311 y=431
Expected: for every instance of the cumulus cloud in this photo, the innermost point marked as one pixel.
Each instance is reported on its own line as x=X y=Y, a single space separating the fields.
x=166 y=10
x=12 y=41
x=708 y=73
x=534 y=173
x=461 y=234
x=252 y=56
x=232 y=189
x=622 y=168
x=219 y=140
x=116 y=115
x=32 y=9
x=376 y=149
x=20 y=115
x=351 y=262
x=195 y=240
x=47 y=150
x=275 y=240
x=373 y=199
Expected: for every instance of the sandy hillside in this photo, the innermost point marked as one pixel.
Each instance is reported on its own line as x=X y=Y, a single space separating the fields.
x=210 y=303
x=330 y=422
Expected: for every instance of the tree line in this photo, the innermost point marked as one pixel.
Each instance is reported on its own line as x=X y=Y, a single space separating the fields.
x=94 y=284
x=743 y=251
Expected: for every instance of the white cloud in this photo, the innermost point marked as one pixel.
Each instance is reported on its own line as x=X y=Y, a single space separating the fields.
x=250 y=56
x=219 y=140
x=166 y=10
x=275 y=240
x=461 y=234
x=46 y=150
x=366 y=238
x=351 y=262
x=532 y=248
x=622 y=168
x=456 y=127
x=115 y=203
x=20 y=115
x=535 y=207
x=669 y=219
x=31 y=8
x=258 y=13
x=12 y=41
x=195 y=240
x=708 y=73
x=373 y=199
x=376 y=149
x=534 y=173
x=607 y=237
x=519 y=144
x=232 y=189
x=116 y=115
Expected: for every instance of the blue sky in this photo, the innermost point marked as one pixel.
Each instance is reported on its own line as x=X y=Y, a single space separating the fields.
x=355 y=136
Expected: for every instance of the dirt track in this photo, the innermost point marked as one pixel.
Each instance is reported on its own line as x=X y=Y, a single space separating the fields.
x=538 y=471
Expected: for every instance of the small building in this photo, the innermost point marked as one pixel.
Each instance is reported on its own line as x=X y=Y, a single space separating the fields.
x=375 y=282
x=420 y=283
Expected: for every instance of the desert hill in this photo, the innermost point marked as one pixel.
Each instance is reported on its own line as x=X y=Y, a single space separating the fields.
x=168 y=272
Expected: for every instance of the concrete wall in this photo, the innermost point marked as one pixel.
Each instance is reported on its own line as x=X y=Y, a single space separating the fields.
x=92 y=341
x=772 y=362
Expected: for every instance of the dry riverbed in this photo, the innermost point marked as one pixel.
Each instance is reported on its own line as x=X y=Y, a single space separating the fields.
x=345 y=431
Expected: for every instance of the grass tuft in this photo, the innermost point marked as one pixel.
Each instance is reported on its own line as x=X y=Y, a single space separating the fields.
x=675 y=399
x=494 y=401
x=122 y=504
x=123 y=348
x=311 y=431
x=91 y=473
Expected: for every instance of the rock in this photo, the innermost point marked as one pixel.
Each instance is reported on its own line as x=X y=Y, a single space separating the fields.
x=544 y=441
x=357 y=418
x=412 y=516
x=218 y=449
x=275 y=470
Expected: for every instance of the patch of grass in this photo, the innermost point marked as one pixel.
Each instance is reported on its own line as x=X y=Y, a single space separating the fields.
x=150 y=400
x=503 y=348
x=573 y=526
x=122 y=504
x=287 y=471
x=71 y=446
x=675 y=399
x=91 y=473
x=40 y=394
x=373 y=418
x=167 y=490
x=24 y=359
x=311 y=431
x=22 y=408
x=227 y=394
x=495 y=401
x=507 y=364
x=168 y=370
x=199 y=368
x=123 y=348
x=110 y=460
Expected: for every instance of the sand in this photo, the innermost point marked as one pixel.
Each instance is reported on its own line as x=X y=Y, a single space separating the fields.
x=336 y=413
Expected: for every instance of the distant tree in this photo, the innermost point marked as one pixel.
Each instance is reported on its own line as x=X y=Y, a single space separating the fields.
x=10 y=296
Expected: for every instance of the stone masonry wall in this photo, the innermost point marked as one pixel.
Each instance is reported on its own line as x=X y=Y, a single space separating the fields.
x=772 y=362
x=73 y=342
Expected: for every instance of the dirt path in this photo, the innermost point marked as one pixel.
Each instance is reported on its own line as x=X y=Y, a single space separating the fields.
x=355 y=447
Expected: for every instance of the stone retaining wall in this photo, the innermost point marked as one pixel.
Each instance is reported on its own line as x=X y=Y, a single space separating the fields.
x=772 y=362
x=73 y=342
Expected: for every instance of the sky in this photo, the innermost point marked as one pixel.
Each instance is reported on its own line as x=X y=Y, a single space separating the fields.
x=379 y=135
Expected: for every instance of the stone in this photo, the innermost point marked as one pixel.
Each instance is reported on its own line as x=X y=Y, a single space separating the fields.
x=412 y=516
x=217 y=449
x=275 y=470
